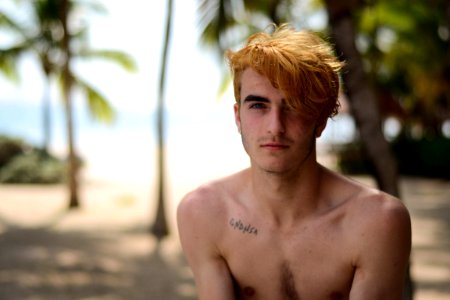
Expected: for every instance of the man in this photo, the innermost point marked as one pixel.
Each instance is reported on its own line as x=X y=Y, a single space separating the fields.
x=287 y=227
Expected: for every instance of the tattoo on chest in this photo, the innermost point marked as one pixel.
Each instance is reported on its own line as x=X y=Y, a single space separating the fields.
x=237 y=224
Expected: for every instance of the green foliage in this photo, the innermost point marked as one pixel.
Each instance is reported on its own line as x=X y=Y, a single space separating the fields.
x=9 y=148
x=43 y=35
x=351 y=159
x=8 y=64
x=33 y=167
x=117 y=57
x=405 y=45
x=99 y=107
x=23 y=163
x=425 y=157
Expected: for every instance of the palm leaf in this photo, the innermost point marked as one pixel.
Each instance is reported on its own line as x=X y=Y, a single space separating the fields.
x=99 y=107
x=118 y=57
x=8 y=23
x=8 y=61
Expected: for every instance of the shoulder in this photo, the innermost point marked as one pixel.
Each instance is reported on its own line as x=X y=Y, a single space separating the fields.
x=202 y=219
x=198 y=222
x=372 y=216
x=214 y=195
x=379 y=211
x=379 y=229
x=379 y=223
x=366 y=205
x=209 y=203
x=205 y=201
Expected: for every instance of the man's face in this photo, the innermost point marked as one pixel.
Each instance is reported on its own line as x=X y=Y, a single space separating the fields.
x=277 y=139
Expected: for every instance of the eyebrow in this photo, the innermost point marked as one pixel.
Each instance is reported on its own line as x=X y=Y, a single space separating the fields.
x=255 y=98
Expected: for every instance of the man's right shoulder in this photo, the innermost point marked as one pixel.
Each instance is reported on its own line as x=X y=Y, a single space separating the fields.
x=212 y=197
x=210 y=202
x=207 y=202
x=201 y=218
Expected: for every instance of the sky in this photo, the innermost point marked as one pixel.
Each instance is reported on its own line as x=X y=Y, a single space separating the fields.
x=199 y=125
x=202 y=141
x=136 y=27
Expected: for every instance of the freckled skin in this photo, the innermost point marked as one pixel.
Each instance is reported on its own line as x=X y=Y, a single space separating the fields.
x=320 y=236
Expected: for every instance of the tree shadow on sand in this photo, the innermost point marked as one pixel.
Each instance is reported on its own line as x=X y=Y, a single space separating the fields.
x=47 y=263
x=429 y=205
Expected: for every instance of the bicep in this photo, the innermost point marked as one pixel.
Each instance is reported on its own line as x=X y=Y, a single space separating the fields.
x=381 y=268
x=213 y=280
x=198 y=240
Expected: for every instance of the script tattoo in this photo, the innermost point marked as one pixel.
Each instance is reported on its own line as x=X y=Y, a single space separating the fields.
x=238 y=225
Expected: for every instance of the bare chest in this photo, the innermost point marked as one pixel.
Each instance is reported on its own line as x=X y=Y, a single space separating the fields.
x=308 y=263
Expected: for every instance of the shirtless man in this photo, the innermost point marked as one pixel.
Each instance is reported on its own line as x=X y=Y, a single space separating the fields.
x=287 y=227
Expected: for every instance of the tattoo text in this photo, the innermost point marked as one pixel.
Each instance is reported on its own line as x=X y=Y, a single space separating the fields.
x=238 y=225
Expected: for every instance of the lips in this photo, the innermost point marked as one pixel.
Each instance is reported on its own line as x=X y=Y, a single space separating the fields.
x=274 y=146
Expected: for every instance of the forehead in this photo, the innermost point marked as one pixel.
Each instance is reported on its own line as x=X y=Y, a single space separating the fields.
x=253 y=82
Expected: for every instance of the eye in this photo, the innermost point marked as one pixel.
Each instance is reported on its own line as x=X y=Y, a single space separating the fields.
x=257 y=105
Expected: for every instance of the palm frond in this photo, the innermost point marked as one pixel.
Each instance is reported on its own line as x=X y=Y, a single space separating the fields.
x=216 y=17
x=8 y=23
x=99 y=107
x=94 y=6
x=224 y=85
x=8 y=61
x=118 y=57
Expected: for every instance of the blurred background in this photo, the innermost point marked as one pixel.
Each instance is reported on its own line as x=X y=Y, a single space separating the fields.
x=111 y=111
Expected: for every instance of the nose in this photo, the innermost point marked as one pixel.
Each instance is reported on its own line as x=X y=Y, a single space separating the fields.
x=276 y=122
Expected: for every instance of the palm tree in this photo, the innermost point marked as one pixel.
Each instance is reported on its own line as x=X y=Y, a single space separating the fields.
x=362 y=98
x=160 y=228
x=55 y=46
x=40 y=42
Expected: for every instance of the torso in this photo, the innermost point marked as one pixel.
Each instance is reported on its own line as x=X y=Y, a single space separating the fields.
x=313 y=259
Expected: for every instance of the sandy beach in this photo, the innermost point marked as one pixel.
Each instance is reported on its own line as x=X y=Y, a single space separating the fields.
x=104 y=250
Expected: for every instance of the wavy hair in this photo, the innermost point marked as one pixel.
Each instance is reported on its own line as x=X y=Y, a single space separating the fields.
x=298 y=63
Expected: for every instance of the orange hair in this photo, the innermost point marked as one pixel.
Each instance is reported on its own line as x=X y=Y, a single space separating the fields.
x=298 y=63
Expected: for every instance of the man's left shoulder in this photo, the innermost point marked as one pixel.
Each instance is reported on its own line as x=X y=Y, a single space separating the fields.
x=380 y=216
x=377 y=206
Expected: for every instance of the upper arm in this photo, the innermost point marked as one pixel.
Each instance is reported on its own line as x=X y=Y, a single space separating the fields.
x=384 y=249
x=199 y=230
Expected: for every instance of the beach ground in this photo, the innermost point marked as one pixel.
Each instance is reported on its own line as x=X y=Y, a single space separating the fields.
x=103 y=250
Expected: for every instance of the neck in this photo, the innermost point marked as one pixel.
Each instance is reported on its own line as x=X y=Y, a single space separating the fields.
x=288 y=197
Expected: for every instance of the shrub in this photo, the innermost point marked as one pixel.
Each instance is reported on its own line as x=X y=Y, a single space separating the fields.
x=33 y=167
x=21 y=162
x=9 y=148
x=426 y=157
x=352 y=159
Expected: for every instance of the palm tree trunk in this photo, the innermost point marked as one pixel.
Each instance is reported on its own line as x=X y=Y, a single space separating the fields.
x=72 y=179
x=364 y=105
x=46 y=116
x=160 y=228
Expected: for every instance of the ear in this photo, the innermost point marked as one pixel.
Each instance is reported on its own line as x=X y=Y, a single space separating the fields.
x=320 y=128
x=237 y=116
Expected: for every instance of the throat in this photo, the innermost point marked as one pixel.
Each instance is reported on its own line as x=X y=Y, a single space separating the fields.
x=288 y=198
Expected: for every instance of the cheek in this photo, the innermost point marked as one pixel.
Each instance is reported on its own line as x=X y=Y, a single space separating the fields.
x=305 y=127
x=247 y=136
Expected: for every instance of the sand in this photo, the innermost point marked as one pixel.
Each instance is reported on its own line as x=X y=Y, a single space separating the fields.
x=104 y=249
